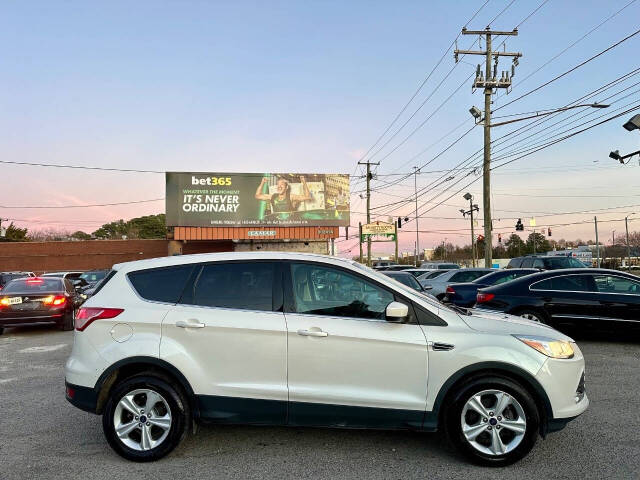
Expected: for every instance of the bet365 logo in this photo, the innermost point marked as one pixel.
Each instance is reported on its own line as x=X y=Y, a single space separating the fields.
x=220 y=181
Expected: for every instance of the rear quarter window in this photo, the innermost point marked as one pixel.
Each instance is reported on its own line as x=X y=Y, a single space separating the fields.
x=160 y=284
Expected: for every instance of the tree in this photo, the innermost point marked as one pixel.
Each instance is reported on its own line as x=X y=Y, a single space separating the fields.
x=515 y=246
x=149 y=226
x=80 y=235
x=15 y=234
x=541 y=243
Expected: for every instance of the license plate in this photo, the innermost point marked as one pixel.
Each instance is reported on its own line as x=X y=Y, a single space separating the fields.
x=15 y=300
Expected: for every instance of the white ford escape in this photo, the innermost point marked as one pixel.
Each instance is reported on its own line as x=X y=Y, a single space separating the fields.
x=296 y=339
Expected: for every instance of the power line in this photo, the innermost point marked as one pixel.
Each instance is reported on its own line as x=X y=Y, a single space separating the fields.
x=83 y=206
x=602 y=52
x=80 y=167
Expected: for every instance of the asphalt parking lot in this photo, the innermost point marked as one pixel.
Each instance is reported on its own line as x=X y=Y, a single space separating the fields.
x=42 y=436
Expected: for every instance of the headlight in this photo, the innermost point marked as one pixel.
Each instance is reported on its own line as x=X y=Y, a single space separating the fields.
x=548 y=346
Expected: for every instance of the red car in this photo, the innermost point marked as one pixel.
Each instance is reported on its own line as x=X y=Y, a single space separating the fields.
x=36 y=300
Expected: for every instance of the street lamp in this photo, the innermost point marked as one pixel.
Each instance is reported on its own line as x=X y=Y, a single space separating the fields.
x=543 y=113
x=633 y=123
x=472 y=208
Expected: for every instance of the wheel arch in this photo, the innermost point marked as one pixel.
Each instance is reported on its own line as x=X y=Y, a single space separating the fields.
x=127 y=367
x=435 y=420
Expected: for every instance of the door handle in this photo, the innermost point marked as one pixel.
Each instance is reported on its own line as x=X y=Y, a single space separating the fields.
x=189 y=324
x=310 y=333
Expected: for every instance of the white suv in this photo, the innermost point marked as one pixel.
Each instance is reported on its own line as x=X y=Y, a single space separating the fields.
x=296 y=339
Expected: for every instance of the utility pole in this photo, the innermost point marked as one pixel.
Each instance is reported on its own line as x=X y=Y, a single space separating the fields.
x=396 y=232
x=368 y=164
x=416 y=170
x=360 y=239
x=595 y=220
x=489 y=81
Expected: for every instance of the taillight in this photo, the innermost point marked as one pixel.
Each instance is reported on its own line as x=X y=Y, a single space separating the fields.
x=55 y=300
x=484 y=297
x=4 y=302
x=35 y=281
x=88 y=315
x=451 y=290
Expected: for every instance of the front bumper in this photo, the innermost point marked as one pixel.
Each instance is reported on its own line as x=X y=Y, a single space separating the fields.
x=563 y=381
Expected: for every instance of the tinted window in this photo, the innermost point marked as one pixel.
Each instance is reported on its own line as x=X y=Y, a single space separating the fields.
x=615 y=284
x=242 y=286
x=527 y=262
x=435 y=274
x=327 y=291
x=161 y=284
x=463 y=276
x=538 y=263
x=34 y=285
x=408 y=280
x=572 y=283
x=515 y=263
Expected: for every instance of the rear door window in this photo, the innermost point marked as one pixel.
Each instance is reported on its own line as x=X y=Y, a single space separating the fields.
x=527 y=262
x=161 y=284
x=515 y=263
x=566 y=283
x=615 y=284
x=241 y=286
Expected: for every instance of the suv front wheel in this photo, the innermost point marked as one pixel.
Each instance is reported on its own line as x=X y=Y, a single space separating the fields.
x=145 y=418
x=494 y=421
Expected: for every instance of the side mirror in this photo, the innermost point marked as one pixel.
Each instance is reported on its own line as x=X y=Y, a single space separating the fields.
x=396 y=312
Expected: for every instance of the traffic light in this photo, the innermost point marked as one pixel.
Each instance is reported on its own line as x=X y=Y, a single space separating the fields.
x=499 y=238
x=519 y=225
x=399 y=222
x=480 y=238
x=549 y=231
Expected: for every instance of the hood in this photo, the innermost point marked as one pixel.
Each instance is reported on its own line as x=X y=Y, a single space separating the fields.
x=498 y=322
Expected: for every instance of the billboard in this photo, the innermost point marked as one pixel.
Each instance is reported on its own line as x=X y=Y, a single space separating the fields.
x=250 y=199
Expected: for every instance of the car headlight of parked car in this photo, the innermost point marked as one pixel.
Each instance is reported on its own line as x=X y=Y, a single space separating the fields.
x=548 y=346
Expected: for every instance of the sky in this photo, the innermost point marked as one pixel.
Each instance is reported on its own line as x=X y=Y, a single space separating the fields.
x=310 y=86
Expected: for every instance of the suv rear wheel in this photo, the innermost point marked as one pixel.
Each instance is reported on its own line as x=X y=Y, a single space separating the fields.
x=494 y=421
x=145 y=418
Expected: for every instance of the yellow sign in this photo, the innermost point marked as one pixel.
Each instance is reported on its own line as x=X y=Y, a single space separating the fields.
x=378 y=228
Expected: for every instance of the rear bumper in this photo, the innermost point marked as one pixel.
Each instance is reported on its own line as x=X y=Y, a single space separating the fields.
x=85 y=398
x=30 y=320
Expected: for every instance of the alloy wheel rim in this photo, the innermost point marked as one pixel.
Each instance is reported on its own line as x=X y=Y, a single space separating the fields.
x=493 y=422
x=142 y=419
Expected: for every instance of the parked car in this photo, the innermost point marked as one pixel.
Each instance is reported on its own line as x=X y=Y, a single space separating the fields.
x=93 y=276
x=37 y=300
x=437 y=286
x=394 y=268
x=295 y=339
x=405 y=278
x=584 y=298
x=431 y=274
x=416 y=272
x=439 y=265
x=74 y=277
x=6 y=277
x=543 y=262
x=377 y=264
x=464 y=294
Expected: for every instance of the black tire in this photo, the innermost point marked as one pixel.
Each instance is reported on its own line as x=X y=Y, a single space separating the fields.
x=539 y=317
x=453 y=421
x=68 y=322
x=178 y=408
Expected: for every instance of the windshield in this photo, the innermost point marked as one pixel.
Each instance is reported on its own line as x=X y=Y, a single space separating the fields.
x=33 y=285
x=93 y=276
x=562 y=262
x=400 y=286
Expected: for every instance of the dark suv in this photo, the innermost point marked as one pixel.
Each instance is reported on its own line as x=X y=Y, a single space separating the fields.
x=543 y=262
